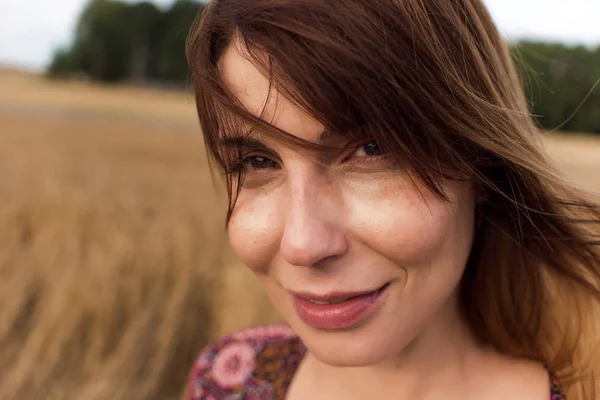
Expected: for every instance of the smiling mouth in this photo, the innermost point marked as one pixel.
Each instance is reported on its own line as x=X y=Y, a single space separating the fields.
x=338 y=310
x=336 y=299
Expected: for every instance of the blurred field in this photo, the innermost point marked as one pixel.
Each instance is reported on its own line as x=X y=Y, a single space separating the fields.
x=113 y=256
x=114 y=266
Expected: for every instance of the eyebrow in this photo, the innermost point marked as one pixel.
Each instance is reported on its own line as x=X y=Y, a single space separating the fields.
x=245 y=142
x=253 y=143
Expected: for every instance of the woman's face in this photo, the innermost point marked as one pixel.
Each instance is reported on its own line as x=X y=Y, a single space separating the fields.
x=358 y=258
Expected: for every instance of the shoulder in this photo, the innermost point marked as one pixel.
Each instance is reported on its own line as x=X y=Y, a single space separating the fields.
x=256 y=363
x=509 y=377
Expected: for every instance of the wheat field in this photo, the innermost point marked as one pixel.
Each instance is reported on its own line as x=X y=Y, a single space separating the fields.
x=114 y=265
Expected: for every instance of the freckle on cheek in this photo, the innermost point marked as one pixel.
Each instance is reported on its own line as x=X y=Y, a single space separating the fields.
x=250 y=241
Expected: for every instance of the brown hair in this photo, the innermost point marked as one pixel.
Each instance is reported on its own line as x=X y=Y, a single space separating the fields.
x=433 y=83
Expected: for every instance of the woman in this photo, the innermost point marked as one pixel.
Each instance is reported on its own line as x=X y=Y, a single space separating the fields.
x=388 y=187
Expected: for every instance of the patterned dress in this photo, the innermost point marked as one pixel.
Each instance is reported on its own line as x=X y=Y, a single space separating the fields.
x=255 y=364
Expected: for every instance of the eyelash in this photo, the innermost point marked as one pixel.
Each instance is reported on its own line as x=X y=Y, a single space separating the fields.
x=241 y=165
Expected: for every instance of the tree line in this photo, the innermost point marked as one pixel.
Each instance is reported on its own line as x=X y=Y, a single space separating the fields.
x=562 y=84
x=120 y=42
x=116 y=41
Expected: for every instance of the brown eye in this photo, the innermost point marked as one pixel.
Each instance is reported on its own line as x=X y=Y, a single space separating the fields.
x=259 y=162
x=369 y=149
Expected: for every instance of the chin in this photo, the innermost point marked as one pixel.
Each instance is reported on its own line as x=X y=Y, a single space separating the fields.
x=352 y=358
x=368 y=345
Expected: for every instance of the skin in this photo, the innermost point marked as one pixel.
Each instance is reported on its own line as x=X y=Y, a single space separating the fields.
x=355 y=224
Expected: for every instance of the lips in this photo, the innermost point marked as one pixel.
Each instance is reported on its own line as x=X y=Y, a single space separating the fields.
x=334 y=297
x=339 y=310
x=324 y=302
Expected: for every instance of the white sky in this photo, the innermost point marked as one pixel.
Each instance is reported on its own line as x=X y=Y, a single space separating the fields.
x=30 y=30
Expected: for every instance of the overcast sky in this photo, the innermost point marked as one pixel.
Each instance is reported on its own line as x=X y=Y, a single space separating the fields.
x=28 y=36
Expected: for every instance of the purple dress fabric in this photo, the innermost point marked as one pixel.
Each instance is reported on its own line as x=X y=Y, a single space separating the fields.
x=255 y=364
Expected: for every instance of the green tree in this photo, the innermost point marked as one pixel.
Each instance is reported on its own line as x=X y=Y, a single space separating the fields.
x=143 y=19
x=103 y=40
x=116 y=41
x=63 y=64
x=169 y=41
x=558 y=80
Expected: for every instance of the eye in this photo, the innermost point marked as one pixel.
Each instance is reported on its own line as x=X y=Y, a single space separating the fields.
x=369 y=149
x=258 y=162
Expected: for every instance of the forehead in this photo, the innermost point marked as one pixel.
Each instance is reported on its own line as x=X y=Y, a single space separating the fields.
x=256 y=93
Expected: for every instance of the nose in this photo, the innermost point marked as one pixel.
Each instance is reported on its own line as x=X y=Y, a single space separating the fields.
x=312 y=231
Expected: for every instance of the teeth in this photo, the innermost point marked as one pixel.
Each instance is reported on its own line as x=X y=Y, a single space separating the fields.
x=322 y=303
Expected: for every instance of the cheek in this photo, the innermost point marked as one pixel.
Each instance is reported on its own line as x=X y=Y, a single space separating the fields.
x=411 y=226
x=254 y=231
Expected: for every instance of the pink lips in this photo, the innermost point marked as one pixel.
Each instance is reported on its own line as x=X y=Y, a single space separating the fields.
x=338 y=310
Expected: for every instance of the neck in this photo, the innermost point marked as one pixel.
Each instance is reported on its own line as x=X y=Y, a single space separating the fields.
x=439 y=361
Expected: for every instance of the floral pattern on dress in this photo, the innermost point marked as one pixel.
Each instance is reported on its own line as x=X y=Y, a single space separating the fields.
x=257 y=364
x=556 y=393
x=233 y=364
x=252 y=364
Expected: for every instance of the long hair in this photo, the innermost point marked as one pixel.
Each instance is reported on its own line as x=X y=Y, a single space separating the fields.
x=434 y=83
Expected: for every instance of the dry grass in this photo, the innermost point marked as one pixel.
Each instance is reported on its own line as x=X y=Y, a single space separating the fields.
x=114 y=267
x=578 y=155
x=113 y=258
